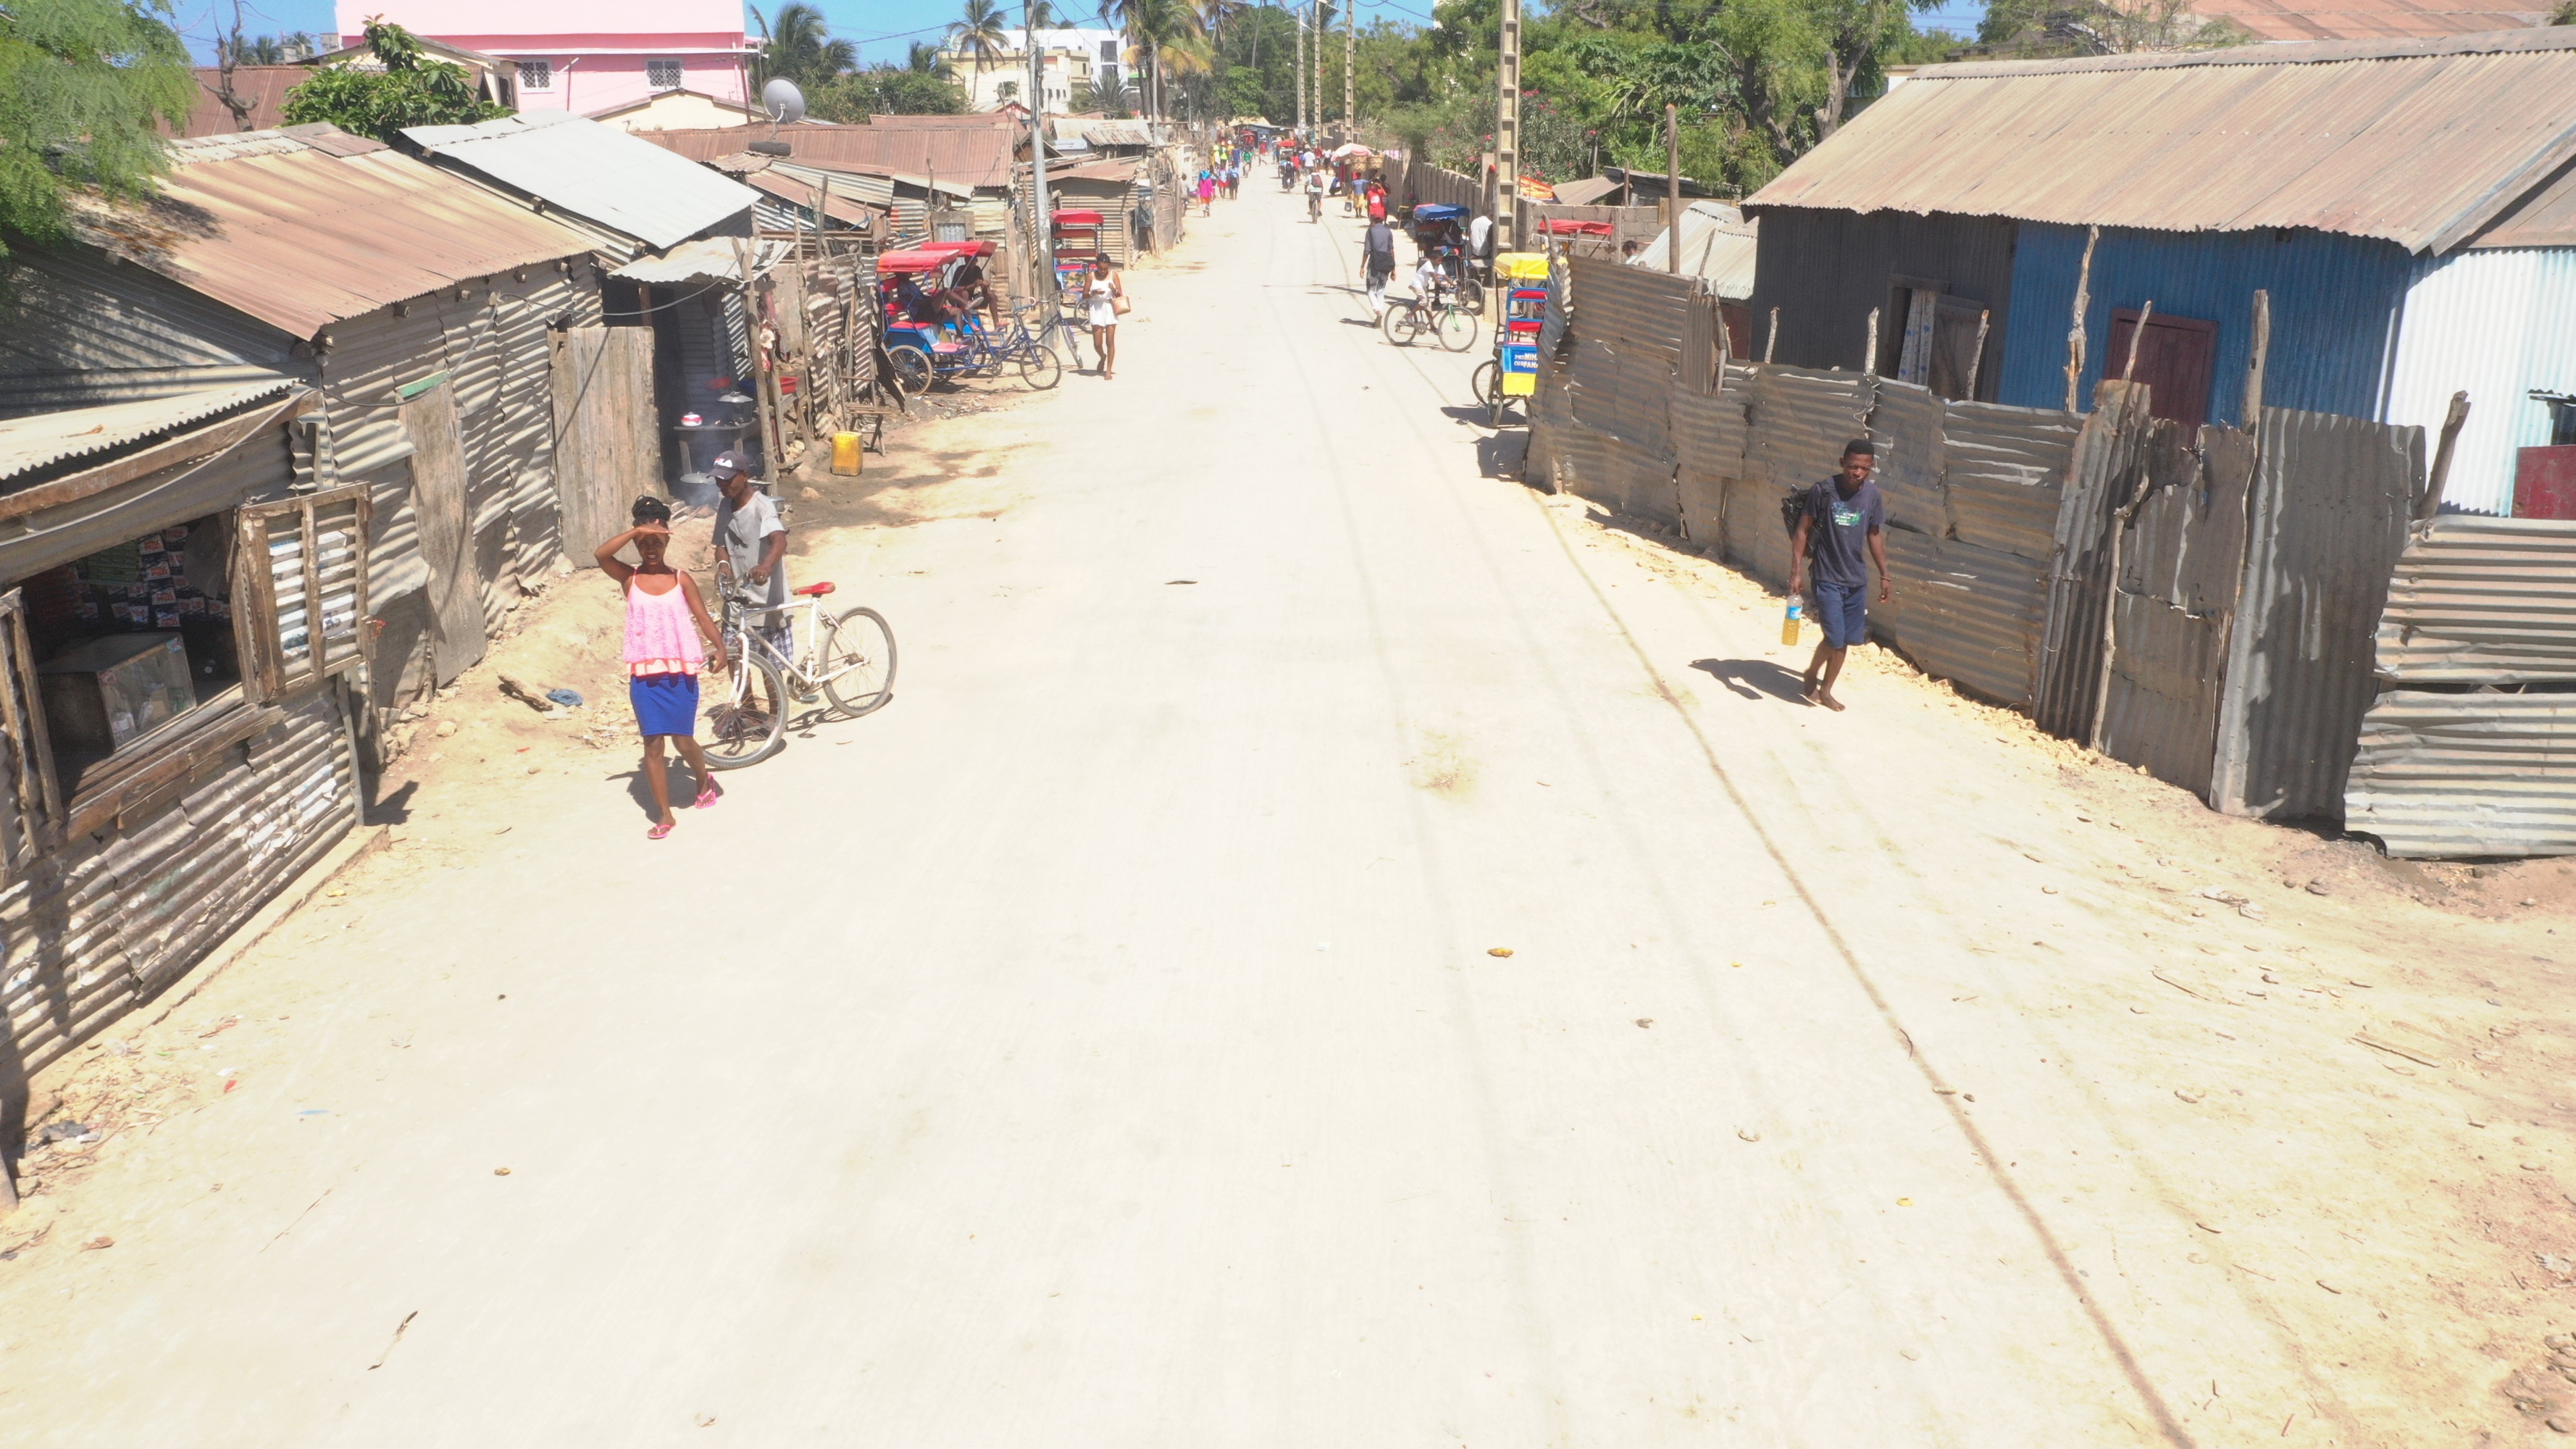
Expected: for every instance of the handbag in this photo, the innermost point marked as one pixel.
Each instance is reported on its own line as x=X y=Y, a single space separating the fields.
x=1120 y=303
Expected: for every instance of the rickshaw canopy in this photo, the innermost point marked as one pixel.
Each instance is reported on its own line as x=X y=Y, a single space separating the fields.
x=1520 y=266
x=959 y=248
x=1437 y=211
x=913 y=261
x=1077 y=218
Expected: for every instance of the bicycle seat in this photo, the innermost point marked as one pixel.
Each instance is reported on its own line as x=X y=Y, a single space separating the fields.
x=814 y=591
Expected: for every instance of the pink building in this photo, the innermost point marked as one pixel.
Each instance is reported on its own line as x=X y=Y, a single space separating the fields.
x=585 y=56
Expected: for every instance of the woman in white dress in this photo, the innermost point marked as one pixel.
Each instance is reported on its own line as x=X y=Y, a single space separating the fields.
x=1105 y=292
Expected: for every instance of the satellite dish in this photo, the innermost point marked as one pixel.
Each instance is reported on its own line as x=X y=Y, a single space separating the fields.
x=782 y=101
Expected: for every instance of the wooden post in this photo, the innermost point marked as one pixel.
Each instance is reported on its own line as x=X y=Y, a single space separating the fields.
x=2130 y=409
x=762 y=377
x=1771 y=337
x=1507 y=129
x=1673 y=189
x=2441 y=474
x=1869 y=357
x=2129 y=369
x=2254 y=364
x=1977 y=359
x=2075 y=334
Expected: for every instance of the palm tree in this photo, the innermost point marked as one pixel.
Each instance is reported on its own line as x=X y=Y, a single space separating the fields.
x=801 y=47
x=922 y=58
x=1162 y=35
x=980 y=33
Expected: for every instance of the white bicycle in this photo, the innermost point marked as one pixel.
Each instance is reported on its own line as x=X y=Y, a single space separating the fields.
x=848 y=658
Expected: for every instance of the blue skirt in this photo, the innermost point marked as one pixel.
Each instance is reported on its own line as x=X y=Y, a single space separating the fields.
x=665 y=704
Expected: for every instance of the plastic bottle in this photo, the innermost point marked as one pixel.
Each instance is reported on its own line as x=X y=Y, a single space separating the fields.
x=1789 y=624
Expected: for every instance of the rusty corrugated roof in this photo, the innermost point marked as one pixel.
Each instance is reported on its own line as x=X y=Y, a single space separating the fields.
x=307 y=226
x=839 y=205
x=2290 y=20
x=43 y=439
x=2421 y=143
x=977 y=156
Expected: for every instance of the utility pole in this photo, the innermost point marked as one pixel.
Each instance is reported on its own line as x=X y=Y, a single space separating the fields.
x=1301 y=75
x=1313 y=80
x=1507 y=129
x=1672 y=190
x=1042 y=223
x=1350 y=67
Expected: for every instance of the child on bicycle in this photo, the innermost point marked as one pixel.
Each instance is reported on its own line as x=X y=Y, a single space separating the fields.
x=667 y=634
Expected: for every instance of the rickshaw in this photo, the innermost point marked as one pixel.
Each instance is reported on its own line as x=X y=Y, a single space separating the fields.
x=1442 y=229
x=1077 y=241
x=923 y=352
x=1513 y=372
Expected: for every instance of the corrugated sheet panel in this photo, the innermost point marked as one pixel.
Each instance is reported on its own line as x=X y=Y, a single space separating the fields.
x=2466 y=774
x=1611 y=472
x=2003 y=474
x=598 y=172
x=78 y=329
x=1824 y=272
x=1627 y=307
x=2482 y=600
x=2333 y=301
x=2070 y=666
x=1905 y=423
x=2327 y=523
x=1719 y=247
x=2414 y=142
x=2496 y=325
x=29 y=443
x=1963 y=613
x=970 y=157
x=1801 y=419
x=1709 y=431
x=2161 y=713
x=125 y=914
x=1754 y=541
x=301 y=238
x=1624 y=391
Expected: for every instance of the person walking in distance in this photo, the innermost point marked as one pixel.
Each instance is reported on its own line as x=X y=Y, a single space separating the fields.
x=1105 y=292
x=1377 y=251
x=1842 y=531
x=754 y=539
x=668 y=633
x=1315 y=196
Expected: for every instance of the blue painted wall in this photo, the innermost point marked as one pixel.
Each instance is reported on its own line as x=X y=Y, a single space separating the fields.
x=2333 y=298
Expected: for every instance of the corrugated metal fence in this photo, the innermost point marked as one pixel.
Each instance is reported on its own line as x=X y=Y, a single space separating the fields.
x=2133 y=584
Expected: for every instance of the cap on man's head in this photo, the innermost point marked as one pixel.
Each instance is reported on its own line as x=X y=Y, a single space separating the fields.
x=1862 y=446
x=727 y=465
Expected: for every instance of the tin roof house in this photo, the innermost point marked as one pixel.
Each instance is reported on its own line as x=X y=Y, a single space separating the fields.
x=2407 y=207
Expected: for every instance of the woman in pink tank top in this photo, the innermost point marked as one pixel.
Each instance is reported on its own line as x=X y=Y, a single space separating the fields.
x=667 y=629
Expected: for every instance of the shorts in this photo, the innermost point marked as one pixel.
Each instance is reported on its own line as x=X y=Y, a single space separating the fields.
x=665 y=704
x=1843 y=610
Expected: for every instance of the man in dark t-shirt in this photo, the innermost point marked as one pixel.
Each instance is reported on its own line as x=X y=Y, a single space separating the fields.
x=1841 y=532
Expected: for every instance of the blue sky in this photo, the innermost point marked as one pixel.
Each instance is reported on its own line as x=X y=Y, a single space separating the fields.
x=881 y=27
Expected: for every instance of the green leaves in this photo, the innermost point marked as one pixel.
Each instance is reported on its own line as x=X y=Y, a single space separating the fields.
x=84 y=86
x=414 y=89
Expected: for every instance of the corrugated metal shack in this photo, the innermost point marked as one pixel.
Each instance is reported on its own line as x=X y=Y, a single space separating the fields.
x=420 y=308
x=629 y=195
x=2133 y=584
x=181 y=605
x=2403 y=205
x=2470 y=747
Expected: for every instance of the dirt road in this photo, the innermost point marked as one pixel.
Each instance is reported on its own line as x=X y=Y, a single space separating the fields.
x=1327 y=946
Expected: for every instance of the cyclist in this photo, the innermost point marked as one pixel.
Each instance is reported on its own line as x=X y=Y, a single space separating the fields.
x=1315 y=196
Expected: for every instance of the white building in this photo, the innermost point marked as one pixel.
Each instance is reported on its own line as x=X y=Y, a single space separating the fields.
x=1066 y=59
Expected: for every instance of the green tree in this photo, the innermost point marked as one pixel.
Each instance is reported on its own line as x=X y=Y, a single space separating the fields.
x=412 y=90
x=800 y=48
x=85 y=87
x=886 y=90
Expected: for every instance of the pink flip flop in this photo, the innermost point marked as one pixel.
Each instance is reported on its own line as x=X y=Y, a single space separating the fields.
x=657 y=832
x=707 y=798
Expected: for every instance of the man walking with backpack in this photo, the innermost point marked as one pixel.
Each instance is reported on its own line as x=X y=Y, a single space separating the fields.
x=1378 y=252
x=1841 y=531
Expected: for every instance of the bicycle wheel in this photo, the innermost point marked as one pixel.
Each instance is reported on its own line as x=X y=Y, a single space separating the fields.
x=911 y=368
x=1039 y=369
x=1472 y=297
x=746 y=712
x=1457 y=328
x=1401 y=325
x=858 y=661
x=1489 y=390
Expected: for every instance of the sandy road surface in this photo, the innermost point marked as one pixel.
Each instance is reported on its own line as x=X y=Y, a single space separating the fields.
x=1104 y=1044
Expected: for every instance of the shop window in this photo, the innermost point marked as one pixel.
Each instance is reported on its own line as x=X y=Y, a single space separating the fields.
x=536 y=75
x=662 y=75
x=117 y=654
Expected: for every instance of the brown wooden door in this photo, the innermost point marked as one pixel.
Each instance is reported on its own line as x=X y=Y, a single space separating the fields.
x=607 y=440
x=446 y=539
x=2174 y=361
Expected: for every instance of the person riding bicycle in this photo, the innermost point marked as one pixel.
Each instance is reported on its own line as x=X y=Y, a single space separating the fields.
x=1314 y=196
x=1431 y=279
x=754 y=539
